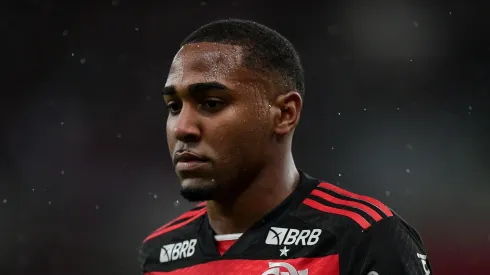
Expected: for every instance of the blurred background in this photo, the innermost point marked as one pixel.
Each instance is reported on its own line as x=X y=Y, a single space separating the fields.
x=397 y=107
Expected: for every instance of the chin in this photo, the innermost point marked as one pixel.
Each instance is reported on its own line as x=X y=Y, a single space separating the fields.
x=195 y=190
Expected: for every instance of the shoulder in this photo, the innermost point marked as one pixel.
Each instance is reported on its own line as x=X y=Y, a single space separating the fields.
x=182 y=225
x=330 y=206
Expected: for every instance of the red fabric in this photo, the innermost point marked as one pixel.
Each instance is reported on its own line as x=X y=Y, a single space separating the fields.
x=353 y=204
x=223 y=246
x=324 y=265
x=370 y=200
x=195 y=215
x=353 y=215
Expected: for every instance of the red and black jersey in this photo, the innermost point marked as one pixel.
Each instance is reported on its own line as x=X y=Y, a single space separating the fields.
x=319 y=229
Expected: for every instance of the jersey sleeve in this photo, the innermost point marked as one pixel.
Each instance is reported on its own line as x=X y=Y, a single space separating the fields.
x=390 y=247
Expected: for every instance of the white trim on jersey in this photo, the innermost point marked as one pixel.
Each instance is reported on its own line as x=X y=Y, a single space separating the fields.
x=227 y=237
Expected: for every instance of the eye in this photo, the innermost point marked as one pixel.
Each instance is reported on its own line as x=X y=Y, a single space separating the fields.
x=212 y=104
x=174 y=107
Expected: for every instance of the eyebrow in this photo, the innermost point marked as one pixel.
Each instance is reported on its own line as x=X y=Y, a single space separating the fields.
x=195 y=88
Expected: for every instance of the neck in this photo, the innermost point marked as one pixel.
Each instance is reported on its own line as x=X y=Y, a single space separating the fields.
x=273 y=184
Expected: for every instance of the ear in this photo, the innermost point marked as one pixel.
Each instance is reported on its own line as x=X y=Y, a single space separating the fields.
x=287 y=112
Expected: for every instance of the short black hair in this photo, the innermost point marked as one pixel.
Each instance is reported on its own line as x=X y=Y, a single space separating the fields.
x=265 y=49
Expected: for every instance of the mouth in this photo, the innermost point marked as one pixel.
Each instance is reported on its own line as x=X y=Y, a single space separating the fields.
x=187 y=161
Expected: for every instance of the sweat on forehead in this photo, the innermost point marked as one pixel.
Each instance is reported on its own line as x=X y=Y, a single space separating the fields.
x=207 y=56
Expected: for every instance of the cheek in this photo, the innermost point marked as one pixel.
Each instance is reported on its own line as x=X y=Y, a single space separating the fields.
x=241 y=136
x=170 y=135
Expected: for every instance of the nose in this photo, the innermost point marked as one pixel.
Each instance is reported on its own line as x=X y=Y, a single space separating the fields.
x=187 y=127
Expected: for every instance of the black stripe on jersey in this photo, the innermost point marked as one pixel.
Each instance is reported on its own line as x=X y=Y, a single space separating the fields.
x=197 y=208
x=363 y=214
x=186 y=218
x=337 y=195
x=178 y=221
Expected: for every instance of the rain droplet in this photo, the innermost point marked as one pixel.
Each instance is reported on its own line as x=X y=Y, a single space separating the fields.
x=62 y=172
x=397 y=109
x=339 y=114
x=203 y=3
x=365 y=109
x=119 y=135
x=338 y=183
x=409 y=147
x=155 y=196
x=333 y=147
x=83 y=61
x=72 y=54
x=65 y=32
x=4 y=200
x=450 y=13
x=176 y=203
x=49 y=202
x=340 y=174
x=136 y=29
x=407 y=170
x=96 y=207
x=115 y=2
x=387 y=193
x=33 y=189
x=148 y=97
x=470 y=108
x=415 y=24
x=62 y=123
x=411 y=60
x=149 y=193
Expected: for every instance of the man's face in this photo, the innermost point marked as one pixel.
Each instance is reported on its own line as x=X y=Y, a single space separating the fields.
x=219 y=126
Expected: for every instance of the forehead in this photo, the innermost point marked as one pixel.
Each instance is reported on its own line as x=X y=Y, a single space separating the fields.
x=206 y=62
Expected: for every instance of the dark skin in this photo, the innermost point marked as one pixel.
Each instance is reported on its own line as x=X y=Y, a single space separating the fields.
x=232 y=128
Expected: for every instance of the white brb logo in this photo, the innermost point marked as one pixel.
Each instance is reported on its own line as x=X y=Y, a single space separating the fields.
x=290 y=236
x=175 y=251
x=275 y=269
x=423 y=259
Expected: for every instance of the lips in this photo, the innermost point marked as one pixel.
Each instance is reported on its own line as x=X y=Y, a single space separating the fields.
x=188 y=157
x=187 y=161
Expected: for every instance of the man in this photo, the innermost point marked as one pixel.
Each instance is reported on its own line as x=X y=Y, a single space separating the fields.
x=235 y=92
